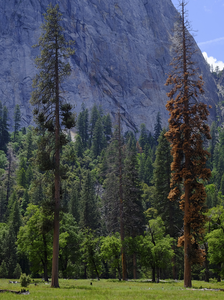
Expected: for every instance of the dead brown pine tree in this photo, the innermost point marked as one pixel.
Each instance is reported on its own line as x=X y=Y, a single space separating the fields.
x=187 y=128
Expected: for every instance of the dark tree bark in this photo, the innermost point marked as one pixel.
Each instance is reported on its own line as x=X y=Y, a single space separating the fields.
x=123 y=259
x=54 y=280
x=153 y=274
x=206 y=263
x=45 y=259
x=158 y=274
x=134 y=266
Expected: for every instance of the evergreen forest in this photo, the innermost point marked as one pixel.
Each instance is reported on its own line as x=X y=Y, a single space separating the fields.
x=92 y=162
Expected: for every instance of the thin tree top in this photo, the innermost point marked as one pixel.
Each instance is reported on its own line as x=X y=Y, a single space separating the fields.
x=51 y=31
x=53 y=70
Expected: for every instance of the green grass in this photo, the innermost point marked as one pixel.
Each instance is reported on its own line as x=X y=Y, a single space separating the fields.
x=112 y=289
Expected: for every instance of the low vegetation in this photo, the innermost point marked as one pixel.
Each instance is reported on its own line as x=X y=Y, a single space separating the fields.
x=113 y=289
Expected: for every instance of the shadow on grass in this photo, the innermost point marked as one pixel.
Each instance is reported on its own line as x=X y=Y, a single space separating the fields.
x=173 y=282
x=77 y=287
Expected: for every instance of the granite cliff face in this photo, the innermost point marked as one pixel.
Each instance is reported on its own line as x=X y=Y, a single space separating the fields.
x=123 y=51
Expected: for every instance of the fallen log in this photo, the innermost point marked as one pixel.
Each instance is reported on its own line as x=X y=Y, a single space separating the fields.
x=23 y=291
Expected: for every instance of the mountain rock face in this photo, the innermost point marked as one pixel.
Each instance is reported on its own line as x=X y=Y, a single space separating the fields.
x=123 y=52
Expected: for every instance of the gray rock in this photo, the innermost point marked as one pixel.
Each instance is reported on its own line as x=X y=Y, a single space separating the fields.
x=123 y=52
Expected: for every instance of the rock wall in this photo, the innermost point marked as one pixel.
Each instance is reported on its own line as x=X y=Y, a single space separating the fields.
x=123 y=52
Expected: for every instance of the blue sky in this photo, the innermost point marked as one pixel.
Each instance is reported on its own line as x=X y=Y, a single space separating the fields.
x=207 y=19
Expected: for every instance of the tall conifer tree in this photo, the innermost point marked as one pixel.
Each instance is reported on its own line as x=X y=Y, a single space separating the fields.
x=157 y=128
x=4 y=128
x=93 y=119
x=83 y=124
x=132 y=194
x=143 y=139
x=113 y=196
x=107 y=124
x=17 y=119
x=97 y=140
x=88 y=206
x=73 y=205
x=187 y=127
x=161 y=179
x=15 y=216
x=51 y=112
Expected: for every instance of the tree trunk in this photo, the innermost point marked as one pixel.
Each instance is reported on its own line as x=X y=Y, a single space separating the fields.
x=153 y=274
x=187 y=242
x=187 y=228
x=206 y=263
x=45 y=259
x=158 y=275
x=174 y=268
x=134 y=266
x=119 y=273
x=219 y=270
x=95 y=267
x=9 y=176
x=85 y=271
x=123 y=260
x=54 y=281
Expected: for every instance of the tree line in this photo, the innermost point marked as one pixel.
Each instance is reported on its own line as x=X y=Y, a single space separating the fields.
x=89 y=239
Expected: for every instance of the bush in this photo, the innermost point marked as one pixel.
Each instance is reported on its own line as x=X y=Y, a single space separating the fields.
x=3 y=270
x=17 y=272
x=25 y=280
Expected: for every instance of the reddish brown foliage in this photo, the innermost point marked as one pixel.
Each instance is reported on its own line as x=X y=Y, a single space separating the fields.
x=187 y=129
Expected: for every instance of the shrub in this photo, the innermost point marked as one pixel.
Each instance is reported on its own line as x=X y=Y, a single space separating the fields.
x=25 y=280
x=17 y=272
x=3 y=270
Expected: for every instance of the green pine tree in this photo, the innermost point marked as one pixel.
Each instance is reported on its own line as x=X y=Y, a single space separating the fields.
x=21 y=178
x=24 y=203
x=9 y=251
x=107 y=124
x=65 y=197
x=4 y=130
x=79 y=149
x=3 y=204
x=51 y=112
x=15 y=219
x=168 y=210
x=83 y=125
x=3 y=270
x=73 y=205
x=97 y=140
x=132 y=194
x=38 y=195
x=148 y=171
x=157 y=128
x=132 y=199
x=93 y=119
x=143 y=139
x=17 y=119
x=111 y=203
x=22 y=163
x=29 y=175
x=29 y=145
x=88 y=207
x=17 y=272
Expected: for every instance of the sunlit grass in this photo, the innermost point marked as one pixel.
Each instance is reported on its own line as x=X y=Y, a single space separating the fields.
x=112 y=289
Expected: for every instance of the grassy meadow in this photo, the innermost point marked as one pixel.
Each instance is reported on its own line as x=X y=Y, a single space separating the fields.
x=113 y=289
